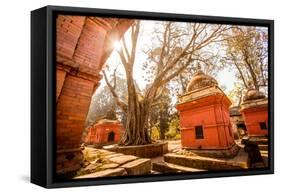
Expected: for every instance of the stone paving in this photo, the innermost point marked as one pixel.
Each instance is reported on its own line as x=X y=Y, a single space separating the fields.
x=207 y=163
x=103 y=163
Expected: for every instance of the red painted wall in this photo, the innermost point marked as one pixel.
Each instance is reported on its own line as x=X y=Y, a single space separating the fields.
x=253 y=117
x=98 y=134
x=212 y=113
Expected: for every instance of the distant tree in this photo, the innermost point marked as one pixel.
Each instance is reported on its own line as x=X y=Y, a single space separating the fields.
x=247 y=51
x=160 y=113
x=103 y=102
x=236 y=94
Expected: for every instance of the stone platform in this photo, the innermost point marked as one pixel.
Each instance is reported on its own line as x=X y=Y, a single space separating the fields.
x=103 y=163
x=165 y=167
x=143 y=151
x=261 y=141
x=217 y=153
x=208 y=163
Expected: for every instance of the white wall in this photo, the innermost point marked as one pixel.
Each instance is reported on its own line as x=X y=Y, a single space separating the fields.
x=15 y=89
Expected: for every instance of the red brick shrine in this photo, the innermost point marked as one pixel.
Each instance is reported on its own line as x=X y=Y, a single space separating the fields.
x=254 y=110
x=204 y=118
x=104 y=132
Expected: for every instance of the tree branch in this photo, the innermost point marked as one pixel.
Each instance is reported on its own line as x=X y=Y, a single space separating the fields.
x=118 y=101
x=125 y=48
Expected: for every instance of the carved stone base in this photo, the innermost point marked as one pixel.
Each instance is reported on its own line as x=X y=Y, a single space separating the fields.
x=143 y=151
x=217 y=153
x=68 y=161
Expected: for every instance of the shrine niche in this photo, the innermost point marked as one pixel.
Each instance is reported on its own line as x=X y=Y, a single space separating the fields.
x=254 y=109
x=104 y=132
x=204 y=118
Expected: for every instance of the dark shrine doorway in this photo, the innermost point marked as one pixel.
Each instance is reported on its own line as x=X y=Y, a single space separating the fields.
x=111 y=136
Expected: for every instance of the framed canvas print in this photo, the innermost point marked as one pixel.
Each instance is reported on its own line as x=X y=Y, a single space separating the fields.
x=126 y=96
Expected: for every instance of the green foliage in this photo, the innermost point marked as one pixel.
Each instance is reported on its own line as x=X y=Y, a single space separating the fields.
x=236 y=94
x=160 y=113
x=155 y=133
x=173 y=132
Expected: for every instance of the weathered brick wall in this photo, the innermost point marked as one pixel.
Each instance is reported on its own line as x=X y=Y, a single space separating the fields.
x=82 y=44
x=68 y=32
x=60 y=80
x=72 y=109
x=90 y=47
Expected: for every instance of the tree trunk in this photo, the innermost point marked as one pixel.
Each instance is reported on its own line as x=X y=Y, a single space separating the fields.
x=251 y=70
x=163 y=124
x=136 y=130
x=239 y=70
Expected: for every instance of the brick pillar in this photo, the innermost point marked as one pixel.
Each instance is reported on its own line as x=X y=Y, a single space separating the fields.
x=72 y=109
x=83 y=44
x=80 y=44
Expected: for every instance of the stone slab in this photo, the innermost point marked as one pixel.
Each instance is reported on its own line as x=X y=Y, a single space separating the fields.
x=165 y=167
x=263 y=147
x=105 y=173
x=122 y=159
x=206 y=163
x=109 y=166
x=113 y=155
x=138 y=167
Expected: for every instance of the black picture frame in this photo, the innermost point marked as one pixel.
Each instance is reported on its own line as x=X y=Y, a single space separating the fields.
x=43 y=103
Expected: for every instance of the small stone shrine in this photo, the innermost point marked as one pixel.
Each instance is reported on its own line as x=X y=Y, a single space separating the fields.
x=104 y=132
x=204 y=118
x=254 y=110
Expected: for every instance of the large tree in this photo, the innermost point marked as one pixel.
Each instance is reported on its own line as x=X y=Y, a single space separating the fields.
x=177 y=46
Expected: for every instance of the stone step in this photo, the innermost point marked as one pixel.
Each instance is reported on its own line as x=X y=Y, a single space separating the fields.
x=104 y=173
x=199 y=162
x=264 y=152
x=263 y=147
x=264 y=155
x=138 y=167
x=260 y=140
x=165 y=167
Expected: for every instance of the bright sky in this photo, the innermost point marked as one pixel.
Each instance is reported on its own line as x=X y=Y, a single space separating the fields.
x=225 y=77
x=143 y=40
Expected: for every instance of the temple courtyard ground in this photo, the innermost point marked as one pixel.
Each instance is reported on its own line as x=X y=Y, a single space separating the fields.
x=104 y=163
